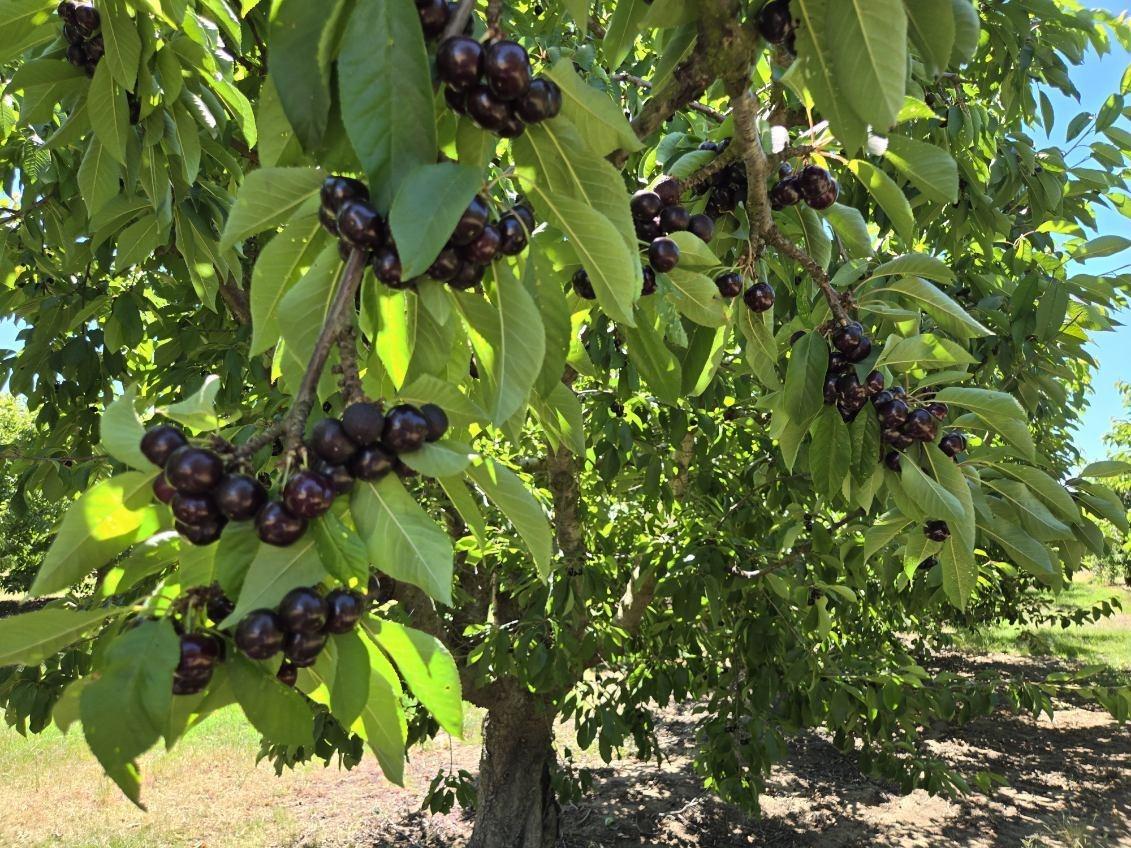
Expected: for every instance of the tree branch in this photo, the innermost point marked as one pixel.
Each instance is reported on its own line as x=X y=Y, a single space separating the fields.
x=708 y=171
x=237 y=302
x=702 y=108
x=458 y=19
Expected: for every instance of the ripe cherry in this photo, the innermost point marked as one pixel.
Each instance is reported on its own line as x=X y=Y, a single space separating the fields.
x=862 y=351
x=511 y=126
x=826 y=199
x=894 y=461
x=330 y=441
x=582 y=285
x=542 y=101
x=668 y=190
x=193 y=470
x=219 y=607
x=649 y=286
x=456 y=100
x=774 y=21
x=468 y=276
x=361 y=225
x=952 y=444
x=277 y=526
x=364 y=422
x=507 y=69
x=663 y=254
x=95 y=50
x=645 y=205
x=445 y=265
x=850 y=389
x=159 y=443
x=729 y=284
x=898 y=439
x=514 y=235
x=302 y=610
x=458 y=62
x=893 y=414
x=648 y=230
x=239 y=497
x=485 y=247
x=287 y=673
x=437 y=421
x=921 y=426
x=308 y=494
x=371 y=463
x=302 y=649
x=406 y=429
x=194 y=509
x=675 y=219
x=471 y=223
x=881 y=398
x=830 y=393
x=336 y=191
x=162 y=489
x=201 y=534
x=702 y=226
x=191 y=683
x=838 y=364
x=87 y=19
x=936 y=531
x=386 y=264
x=66 y=10
x=785 y=193
x=939 y=410
x=760 y=297
x=339 y=477
x=814 y=181
x=199 y=652
x=525 y=215
x=874 y=383
x=343 y=610
x=260 y=634
x=486 y=109
x=328 y=220
x=847 y=337
x=433 y=16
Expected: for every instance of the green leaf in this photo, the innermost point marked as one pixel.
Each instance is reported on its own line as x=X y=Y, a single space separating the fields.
x=697 y=297
x=931 y=497
x=285 y=259
x=888 y=195
x=929 y=168
x=1106 y=468
x=761 y=347
x=98 y=177
x=1101 y=247
x=850 y=226
x=149 y=557
x=830 y=453
x=561 y=414
x=267 y=198
x=948 y=313
x=439 y=459
x=32 y=637
x=1021 y=548
x=108 y=518
x=123 y=45
x=124 y=709
x=917 y=265
x=622 y=30
x=926 y=351
x=1000 y=411
x=386 y=93
x=138 y=242
x=598 y=117
x=340 y=677
x=422 y=229
x=274 y=572
x=931 y=26
x=382 y=722
x=967 y=29
x=301 y=313
x=403 y=541
x=341 y=550
x=805 y=377
x=198 y=411
x=278 y=712
x=294 y=59
x=1052 y=493
x=503 y=487
x=1038 y=521
x=427 y=668
x=693 y=251
x=651 y=356
x=868 y=41
x=109 y=115
x=120 y=431
x=468 y=509
x=515 y=362
x=959 y=571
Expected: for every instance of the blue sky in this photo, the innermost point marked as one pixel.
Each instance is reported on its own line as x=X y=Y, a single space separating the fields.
x=1096 y=79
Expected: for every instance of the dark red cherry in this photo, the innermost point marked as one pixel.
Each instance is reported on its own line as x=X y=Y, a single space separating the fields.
x=485 y=247
x=894 y=461
x=276 y=526
x=646 y=205
x=406 y=429
x=162 y=489
x=371 y=463
x=507 y=69
x=838 y=364
x=649 y=229
x=87 y=19
x=386 y=264
x=302 y=649
x=702 y=227
x=199 y=652
x=759 y=297
x=830 y=393
x=785 y=193
x=471 y=223
x=193 y=470
x=328 y=220
x=542 y=101
x=729 y=284
x=893 y=414
x=774 y=21
x=826 y=199
x=445 y=265
x=674 y=219
x=191 y=683
x=486 y=109
x=514 y=237
x=952 y=444
x=259 y=634
x=339 y=477
x=201 y=534
x=456 y=100
x=862 y=351
x=336 y=191
x=433 y=16
x=361 y=225
x=330 y=441
x=874 y=383
x=158 y=443
x=921 y=426
x=663 y=254
x=66 y=10
x=364 y=422
x=458 y=62
x=219 y=607
x=302 y=611
x=813 y=181
x=287 y=673
x=437 y=421
x=468 y=276
x=898 y=439
x=95 y=50
x=649 y=286
x=582 y=285
x=668 y=189
x=239 y=497
x=936 y=531
x=847 y=337
x=882 y=398
x=343 y=610
x=194 y=509
x=525 y=215
x=308 y=494
x=939 y=410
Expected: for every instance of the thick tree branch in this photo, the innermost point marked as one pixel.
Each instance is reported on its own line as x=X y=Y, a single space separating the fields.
x=237 y=302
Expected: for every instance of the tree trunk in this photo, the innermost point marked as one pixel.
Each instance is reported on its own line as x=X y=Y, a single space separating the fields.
x=516 y=806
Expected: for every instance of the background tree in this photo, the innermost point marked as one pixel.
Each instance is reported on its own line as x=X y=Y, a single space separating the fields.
x=650 y=489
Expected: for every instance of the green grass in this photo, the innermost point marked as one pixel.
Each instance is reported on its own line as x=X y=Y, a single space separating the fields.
x=1107 y=642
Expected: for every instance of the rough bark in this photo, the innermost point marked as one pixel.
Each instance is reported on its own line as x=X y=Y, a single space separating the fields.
x=516 y=807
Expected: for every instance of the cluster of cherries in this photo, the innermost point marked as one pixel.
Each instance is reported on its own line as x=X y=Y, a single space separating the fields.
x=728 y=187
x=813 y=184
x=494 y=85
x=759 y=297
x=776 y=25
x=347 y=214
x=81 y=25
x=299 y=627
x=204 y=495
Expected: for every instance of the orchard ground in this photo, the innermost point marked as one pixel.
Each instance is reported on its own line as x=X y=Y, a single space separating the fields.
x=1069 y=781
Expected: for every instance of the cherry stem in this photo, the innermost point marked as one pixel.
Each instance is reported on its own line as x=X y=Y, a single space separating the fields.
x=494 y=13
x=458 y=20
x=336 y=319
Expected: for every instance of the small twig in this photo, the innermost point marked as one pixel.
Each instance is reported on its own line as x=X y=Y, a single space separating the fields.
x=782 y=242
x=295 y=422
x=458 y=19
x=260 y=440
x=708 y=171
x=494 y=13
x=702 y=108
